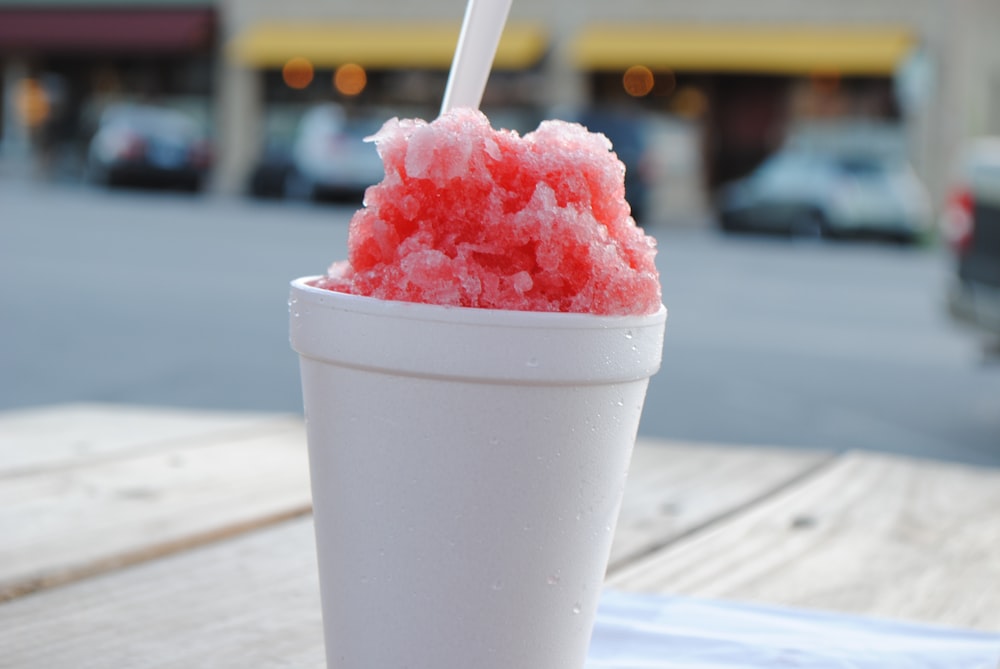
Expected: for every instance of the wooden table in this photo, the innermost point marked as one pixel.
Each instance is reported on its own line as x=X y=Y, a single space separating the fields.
x=136 y=537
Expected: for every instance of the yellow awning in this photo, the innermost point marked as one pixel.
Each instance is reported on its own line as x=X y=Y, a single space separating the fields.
x=377 y=44
x=764 y=49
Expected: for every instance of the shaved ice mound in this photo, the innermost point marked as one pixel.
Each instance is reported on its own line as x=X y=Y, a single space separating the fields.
x=475 y=217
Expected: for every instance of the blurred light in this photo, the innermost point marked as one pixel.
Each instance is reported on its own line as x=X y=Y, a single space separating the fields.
x=638 y=81
x=297 y=73
x=350 y=79
x=689 y=102
x=32 y=103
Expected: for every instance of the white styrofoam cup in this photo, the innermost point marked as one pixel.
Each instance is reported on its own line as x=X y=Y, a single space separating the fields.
x=467 y=471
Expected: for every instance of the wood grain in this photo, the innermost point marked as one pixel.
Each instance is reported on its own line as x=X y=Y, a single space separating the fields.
x=70 y=434
x=63 y=524
x=676 y=488
x=873 y=534
x=158 y=481
x=252 y=601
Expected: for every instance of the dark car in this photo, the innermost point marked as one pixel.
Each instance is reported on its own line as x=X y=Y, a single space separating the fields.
x=971 y=223
x=146 y=145
x=270 y=175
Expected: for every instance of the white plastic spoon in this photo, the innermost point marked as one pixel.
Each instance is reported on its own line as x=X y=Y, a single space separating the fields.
x=477 y=46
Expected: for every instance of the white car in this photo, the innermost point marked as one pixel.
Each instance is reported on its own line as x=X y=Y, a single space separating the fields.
x=815 y=192
x=330 y=157
x=838 y=181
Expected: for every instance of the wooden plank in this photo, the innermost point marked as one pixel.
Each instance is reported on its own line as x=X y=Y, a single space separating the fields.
x=252 y=601
x=66 y=435
x=874 y=534
x=61 y=525
x=91 y=518
x=676 y=488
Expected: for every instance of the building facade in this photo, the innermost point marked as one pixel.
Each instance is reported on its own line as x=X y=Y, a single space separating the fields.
x=725 y=80
x=62 y=61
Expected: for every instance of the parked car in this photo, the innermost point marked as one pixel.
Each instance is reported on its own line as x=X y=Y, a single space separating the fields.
x=146 y=145
x=269 y=175
x=828 y=193
x=971 y=224
x=330 y=157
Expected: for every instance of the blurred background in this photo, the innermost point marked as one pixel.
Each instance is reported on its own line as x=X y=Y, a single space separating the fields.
x=820 y=177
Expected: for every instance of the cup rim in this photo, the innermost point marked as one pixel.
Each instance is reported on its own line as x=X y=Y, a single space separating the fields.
x=303 y=287
x=482 y=345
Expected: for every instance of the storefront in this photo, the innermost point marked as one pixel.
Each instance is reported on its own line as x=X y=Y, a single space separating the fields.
x=62 y=65
x=738 y=76
x=727 y=83
x=744 y=85
x=373 y=68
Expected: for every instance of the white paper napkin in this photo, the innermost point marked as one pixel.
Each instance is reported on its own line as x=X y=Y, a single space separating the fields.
x=639 y=631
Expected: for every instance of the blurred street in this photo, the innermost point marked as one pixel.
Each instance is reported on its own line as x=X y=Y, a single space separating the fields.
x=158 y=298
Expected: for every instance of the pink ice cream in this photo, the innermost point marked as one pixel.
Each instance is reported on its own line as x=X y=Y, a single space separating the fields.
x=476 y=217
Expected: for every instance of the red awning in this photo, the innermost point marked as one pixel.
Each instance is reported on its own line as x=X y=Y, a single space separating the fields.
x=106 y=30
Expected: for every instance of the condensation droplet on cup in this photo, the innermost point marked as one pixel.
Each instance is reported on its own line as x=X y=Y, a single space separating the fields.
x=494 y=441
x=628 y=334
x=553 y=579
x=498 y=585
x=576 y=609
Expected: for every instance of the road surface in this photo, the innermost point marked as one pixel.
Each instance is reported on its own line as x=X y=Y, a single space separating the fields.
x=157 y=298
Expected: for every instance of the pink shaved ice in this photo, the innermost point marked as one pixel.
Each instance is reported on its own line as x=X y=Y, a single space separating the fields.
x=475 y=217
